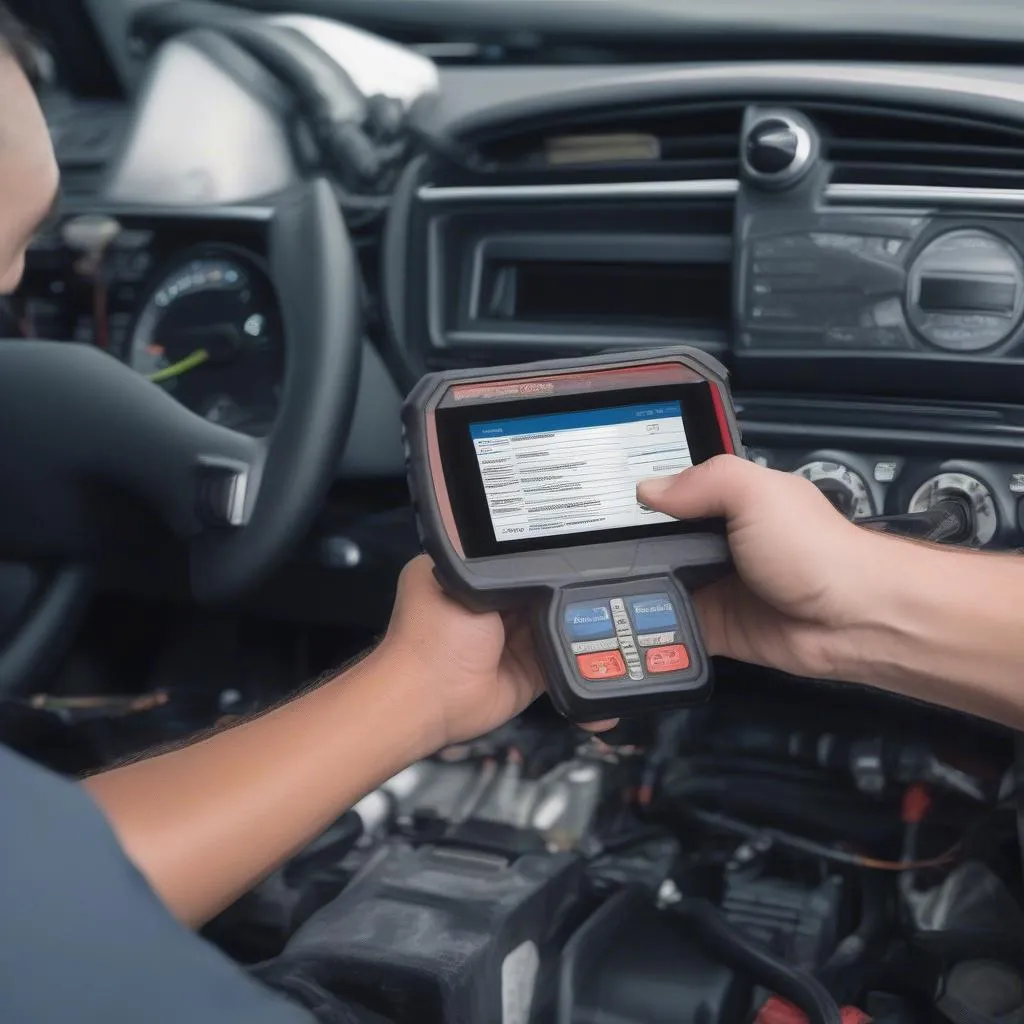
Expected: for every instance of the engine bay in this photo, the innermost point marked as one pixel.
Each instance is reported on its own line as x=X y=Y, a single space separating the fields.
x=676 y=869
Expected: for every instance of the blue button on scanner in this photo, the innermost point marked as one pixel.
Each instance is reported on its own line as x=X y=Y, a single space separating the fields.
x=652 y=613
x=586 y=621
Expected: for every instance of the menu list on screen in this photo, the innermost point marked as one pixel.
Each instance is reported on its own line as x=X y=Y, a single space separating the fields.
x=576 y=472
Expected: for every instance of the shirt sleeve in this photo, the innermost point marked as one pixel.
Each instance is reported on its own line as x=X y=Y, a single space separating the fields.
x=85 y=937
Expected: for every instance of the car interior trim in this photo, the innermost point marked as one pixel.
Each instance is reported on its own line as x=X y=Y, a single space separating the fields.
x=987 y=92
x=715 y=188
x=212 y=212
x=201 y=211
x=928 y=194
x=948 y=442
x=802 y=155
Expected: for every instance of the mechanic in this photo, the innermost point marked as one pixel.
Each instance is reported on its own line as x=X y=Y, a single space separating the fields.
x=99 y=881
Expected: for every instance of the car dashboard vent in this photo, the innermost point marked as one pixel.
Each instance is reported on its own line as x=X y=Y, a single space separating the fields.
x=683 y=142
x=887 y=146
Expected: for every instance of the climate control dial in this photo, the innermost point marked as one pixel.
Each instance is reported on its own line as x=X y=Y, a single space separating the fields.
x=843 y=486
x=967 y=488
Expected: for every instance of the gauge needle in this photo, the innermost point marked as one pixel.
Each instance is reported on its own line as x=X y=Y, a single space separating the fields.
x=190 y=362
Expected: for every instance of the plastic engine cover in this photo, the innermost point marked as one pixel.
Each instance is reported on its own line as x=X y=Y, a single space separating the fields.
x=446 y=935
x=631 y=964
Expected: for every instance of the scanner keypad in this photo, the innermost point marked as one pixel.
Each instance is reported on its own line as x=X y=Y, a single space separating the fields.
x=636 y=636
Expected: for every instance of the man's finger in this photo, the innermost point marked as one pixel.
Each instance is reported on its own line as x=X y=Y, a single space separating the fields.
x=722 y=486
x=608 y=723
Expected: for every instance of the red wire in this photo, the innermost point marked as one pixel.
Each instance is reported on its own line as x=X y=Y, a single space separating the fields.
x=99 y=310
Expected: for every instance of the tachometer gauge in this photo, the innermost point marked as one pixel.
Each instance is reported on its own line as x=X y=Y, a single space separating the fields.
x=211 y=335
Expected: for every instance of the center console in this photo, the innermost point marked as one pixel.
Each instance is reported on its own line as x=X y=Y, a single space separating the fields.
x=854 y=256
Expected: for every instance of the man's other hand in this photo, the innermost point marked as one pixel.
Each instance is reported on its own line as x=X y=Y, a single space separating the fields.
x=478 y=669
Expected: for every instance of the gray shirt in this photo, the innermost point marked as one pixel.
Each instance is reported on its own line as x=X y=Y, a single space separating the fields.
x=84 y=939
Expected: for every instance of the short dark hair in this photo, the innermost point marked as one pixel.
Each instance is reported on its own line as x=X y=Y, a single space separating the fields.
x=17 y=40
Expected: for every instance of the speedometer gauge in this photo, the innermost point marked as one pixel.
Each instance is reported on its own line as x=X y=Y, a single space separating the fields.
x=210 y=334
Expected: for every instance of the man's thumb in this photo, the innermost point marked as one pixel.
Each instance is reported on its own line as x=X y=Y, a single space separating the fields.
x=710 y=489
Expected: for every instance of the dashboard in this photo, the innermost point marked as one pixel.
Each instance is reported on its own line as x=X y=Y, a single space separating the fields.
x=848 y=238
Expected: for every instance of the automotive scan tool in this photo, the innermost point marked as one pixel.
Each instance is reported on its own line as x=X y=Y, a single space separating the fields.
x=524 y=483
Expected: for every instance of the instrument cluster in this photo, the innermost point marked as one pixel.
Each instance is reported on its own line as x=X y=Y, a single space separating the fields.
x=862 y=485
x=186 y=302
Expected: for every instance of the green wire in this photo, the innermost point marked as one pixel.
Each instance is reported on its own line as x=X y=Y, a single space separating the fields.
x=190 y=362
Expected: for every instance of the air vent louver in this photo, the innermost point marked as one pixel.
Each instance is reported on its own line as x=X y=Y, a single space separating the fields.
x=685 y=143
x=881 y=146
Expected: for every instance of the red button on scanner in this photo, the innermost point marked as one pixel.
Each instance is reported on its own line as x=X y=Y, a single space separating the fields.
x=602 y=665
x=674 y=658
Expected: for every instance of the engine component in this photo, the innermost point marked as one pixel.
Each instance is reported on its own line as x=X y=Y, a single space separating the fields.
x=715 y=934
x=972 y=898
x=445 y=935
x=844 y=487
x=797 y=922
x=963 y=487
x=977 y=991
x=632 y=965
x=875 y=763
x=560 y=805
x=781 y=1011
x=377 y=808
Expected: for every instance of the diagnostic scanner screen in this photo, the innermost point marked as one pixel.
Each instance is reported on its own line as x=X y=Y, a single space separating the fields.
x=576 y=472
x=543 y=473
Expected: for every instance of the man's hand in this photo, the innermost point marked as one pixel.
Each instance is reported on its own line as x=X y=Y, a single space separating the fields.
x=803 y=572
x=478 y=670
x=815 y=595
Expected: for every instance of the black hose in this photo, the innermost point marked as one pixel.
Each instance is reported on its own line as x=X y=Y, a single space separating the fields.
x=724 y=823
x=949 y=521
x=713 y=932
x=846 y=972
x=874 y=889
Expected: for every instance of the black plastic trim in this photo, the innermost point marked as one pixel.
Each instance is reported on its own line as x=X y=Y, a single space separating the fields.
x=950 y=443
x=918 y=375
x=468 y=325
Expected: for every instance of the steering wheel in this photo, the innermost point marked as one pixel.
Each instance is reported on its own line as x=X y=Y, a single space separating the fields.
x=76 y=423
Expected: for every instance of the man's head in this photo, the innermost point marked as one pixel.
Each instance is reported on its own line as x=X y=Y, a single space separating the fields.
x=28 y=169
